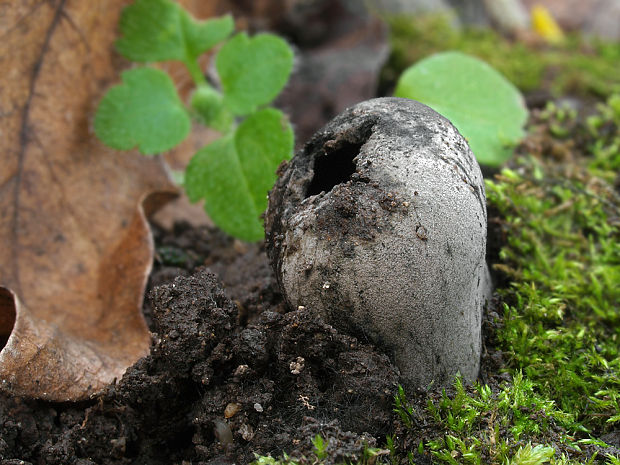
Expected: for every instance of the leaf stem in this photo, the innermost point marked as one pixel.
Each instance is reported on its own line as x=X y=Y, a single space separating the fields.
x=194 y=69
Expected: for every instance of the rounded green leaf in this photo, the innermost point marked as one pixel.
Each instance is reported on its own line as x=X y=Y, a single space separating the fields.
x=483 y=105
x=144 y=111
x=215 y=175
x=253 y=70
x=159 y=30
x=263 y=141
x=234 y=174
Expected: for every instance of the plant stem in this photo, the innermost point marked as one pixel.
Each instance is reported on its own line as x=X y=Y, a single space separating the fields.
x=194 y=69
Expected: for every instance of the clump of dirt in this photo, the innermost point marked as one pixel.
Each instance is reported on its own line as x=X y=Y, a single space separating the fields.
x=228 y=376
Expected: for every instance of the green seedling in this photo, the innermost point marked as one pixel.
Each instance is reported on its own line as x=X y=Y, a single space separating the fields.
x=234 y=173
x=483 y=105
x=320 y=447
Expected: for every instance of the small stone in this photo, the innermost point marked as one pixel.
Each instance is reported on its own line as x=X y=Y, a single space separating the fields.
x=231 y=409
x=297 y=365
x=246 y=431
x=241 y=370
x=258 y=407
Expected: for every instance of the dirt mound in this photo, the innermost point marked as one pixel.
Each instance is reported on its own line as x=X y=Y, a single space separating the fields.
x=217 y=390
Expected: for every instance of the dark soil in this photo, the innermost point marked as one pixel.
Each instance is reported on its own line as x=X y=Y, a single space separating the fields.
x=231 y=373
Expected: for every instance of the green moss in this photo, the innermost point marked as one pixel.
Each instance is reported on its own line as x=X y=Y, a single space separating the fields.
x=562 y=308
x=575 y=67
x=482 y=425
x=487 y=427
x=561 y=323
x=321 y=455
x=605 y=144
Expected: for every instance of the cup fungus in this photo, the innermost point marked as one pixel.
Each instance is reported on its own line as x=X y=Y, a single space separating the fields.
x=379 y=223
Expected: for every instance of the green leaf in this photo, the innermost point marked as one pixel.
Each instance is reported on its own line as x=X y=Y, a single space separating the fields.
x=234 y=174
x=253 y=71
x=159 y=30
x=202 y=36
x=483 y=105
x=263 y=140
x=143 y=111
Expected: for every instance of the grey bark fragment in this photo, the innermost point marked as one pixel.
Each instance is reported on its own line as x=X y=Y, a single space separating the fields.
x=379 y=223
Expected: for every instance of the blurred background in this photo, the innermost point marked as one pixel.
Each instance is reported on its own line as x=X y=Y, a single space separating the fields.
x=562 y=51
x=352 y=50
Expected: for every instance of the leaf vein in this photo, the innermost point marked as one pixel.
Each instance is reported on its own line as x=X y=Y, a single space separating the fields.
x=24 y=139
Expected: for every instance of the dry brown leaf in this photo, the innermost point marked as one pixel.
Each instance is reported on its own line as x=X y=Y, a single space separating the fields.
x=76 y=246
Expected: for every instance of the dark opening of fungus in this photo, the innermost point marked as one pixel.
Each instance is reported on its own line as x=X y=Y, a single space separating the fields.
x=333 y=168
x=7 y=316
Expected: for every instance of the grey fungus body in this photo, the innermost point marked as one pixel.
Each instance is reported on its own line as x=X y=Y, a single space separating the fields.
x=379 y=223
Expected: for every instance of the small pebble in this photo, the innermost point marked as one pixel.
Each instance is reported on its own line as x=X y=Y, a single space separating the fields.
x=231 y=409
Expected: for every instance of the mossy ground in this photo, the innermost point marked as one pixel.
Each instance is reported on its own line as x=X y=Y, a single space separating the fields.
x=550 y=386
